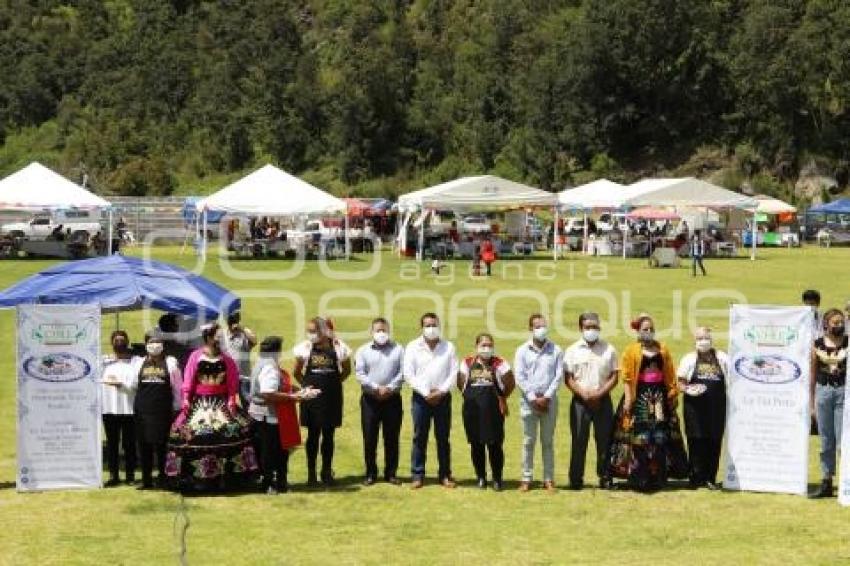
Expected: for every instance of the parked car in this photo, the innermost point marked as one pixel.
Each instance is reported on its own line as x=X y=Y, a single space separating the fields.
x=574 y=226
x=608 y=222
x=79 y=224
x=475 y=224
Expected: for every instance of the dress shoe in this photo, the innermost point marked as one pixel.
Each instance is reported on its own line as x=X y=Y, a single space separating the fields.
x=448 y=483
x=825 y=490
x=606 y=483
x=393 y=480
x=369 y=481
x=312 y=479
x=549 y=486
x=482 y=483
x=112 y=482
x=272 y=490
x=576 y=485
x=328 y=478
x=416 y=483
x=524 y=486
x=712 y=486
x=497 y=485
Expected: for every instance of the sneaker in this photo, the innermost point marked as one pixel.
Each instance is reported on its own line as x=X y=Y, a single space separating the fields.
x=370 y=480
x=393 y=480
x=272 y=490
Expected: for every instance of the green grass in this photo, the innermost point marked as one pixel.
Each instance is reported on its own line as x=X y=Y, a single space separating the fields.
x=385 y=524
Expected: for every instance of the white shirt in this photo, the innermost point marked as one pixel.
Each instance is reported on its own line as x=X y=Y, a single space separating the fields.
x=426 y=370
x=590 y=366
x=118 y=399
x=501 y=369
x=266 y=378
x=689 y=364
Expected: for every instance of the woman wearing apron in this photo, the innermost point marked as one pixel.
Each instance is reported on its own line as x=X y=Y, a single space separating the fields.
x=702 y=378
x=486 y=381
x=321 y=362
x=153 y=407
x=647 y=446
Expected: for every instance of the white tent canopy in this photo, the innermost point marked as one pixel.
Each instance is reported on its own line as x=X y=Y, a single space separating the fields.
x=599 y=194
x=770 y=205
x=35 y=187
x=686 y=192
x=268 y=191
x=486 y=193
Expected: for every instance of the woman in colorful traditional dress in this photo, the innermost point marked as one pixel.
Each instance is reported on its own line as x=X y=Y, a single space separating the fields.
x=486 y=381
x=155 y=377
x=210 y=442
x=702 y=379
x=323 y=362
x=647 y=446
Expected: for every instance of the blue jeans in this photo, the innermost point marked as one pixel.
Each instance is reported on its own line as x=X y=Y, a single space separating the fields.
x=423 y=414
x=829 y=406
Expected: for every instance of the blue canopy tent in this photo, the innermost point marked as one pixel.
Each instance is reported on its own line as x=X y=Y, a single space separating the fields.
x=840 y=206
x=118 y=283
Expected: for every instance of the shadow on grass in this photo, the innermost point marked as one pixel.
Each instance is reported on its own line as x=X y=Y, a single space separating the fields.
x=7 y=484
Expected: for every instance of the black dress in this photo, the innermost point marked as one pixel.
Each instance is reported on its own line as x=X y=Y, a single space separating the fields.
x=322 y=372
x=153 y=404
x=482 y=417
x=705 y=414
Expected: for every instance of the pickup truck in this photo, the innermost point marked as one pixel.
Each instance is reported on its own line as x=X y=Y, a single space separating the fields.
x=72 y=224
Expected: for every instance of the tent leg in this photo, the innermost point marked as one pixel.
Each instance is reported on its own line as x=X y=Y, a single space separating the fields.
x=625 y=238
x=347 y=238
x=555 y=235
x=421 y=244
x=204 y=251
x=584 y=247
x=117 y=320
x=109 y=234
x=755 y=235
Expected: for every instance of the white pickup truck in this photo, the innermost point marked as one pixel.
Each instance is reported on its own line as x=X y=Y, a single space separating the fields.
x=74 y=225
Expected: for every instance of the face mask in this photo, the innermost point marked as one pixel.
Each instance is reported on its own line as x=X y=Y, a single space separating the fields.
x=485 y=352
x=590 y=335
x=380 y=337
x=540 y=334
x=154 y=348
x=313 y=337
x=703 y=345
x=837 y=330
x=646 y=336
x=431 y=332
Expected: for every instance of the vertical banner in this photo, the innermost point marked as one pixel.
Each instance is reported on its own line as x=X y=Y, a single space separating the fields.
x=767 y=417
x=58 y=397
x=844 y=464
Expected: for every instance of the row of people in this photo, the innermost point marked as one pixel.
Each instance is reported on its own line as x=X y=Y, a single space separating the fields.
x=201 y=437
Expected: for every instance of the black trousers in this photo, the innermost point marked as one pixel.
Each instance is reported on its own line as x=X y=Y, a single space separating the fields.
x=697 y=261
x=275 y=460
x=120 y=433
x=374 y=415
x=497 y=459
x=149 y=450
x=326 y=435
x=704 y=459
x=582 y=418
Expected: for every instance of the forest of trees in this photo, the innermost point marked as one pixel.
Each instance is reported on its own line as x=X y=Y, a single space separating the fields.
x=375 y=96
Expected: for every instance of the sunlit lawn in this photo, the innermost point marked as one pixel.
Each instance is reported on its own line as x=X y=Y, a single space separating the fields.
x=385 y=524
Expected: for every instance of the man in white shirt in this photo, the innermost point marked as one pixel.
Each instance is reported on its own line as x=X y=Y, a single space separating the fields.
x=538 y=368
x=590 y=370
x=378 y=369
x=431 y=367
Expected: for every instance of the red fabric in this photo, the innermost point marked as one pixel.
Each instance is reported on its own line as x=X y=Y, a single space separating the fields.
x=287 y=416
x=488 y=254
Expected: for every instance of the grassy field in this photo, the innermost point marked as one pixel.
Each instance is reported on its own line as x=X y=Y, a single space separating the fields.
x=389 y=525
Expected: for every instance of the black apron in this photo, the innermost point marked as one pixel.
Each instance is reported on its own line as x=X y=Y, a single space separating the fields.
x=482 y=418
x=705 y=415
x=322 y=372
x=153 y=404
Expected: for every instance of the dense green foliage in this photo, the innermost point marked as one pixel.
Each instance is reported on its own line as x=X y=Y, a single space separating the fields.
x=144 y=95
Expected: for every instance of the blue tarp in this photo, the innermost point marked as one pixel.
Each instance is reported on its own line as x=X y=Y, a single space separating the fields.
x=190 y=212
x=119 y=283
x=840 y=206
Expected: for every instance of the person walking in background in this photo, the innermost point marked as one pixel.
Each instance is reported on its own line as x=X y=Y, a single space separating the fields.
x=322 y=361
x=378 y=367
x=697 y=252
x=273 y=397
x=702 y=379
x=486 y=381
x=153 y=406
x=811 y=298
x=117 y=408
x=488 y=254
x=238 y=341
x=591 y=370
x=829 y=373
x=430 y=366
x=538 y=366
x=647 y=446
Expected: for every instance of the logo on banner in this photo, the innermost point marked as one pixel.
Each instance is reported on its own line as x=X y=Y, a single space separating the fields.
x=772 y=336
x=58 y=334
x=769 y=369
x=57 y=368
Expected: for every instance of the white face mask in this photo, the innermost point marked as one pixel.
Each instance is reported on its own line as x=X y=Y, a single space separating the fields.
x=313 y=337
x=590 y=335
x=485 y=352
x=703 y=345
x=154 y=348
x=380 y=337
x=646 y=336
x=540 y=334
x=431 y=332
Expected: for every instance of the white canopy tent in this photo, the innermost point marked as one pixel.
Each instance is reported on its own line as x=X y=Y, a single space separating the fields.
x=269 y=191
x=485 y=193
x=599 y=194
x=690 y=192
x=36 y=188
x=771 y=205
